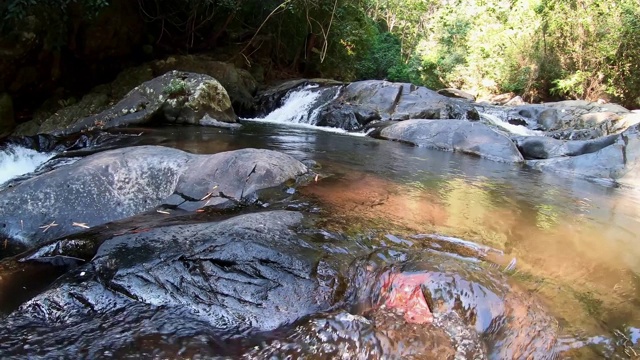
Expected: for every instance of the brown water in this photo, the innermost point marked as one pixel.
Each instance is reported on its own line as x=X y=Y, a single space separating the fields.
x=575 y=243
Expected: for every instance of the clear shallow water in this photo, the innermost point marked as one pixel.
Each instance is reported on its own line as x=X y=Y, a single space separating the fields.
x=575 y=242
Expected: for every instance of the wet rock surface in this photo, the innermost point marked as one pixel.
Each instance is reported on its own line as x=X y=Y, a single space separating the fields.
x=544 y=147
x=617 y=162
x=454 y=135
x=258 y=286
x=120 y=183
x=214 y=280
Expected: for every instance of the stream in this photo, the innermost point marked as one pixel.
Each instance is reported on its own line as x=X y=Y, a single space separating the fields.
x=570 y=243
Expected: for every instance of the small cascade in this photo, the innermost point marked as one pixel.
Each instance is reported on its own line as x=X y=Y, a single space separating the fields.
x=17 y=160
x=302 y=107
x=510 y=128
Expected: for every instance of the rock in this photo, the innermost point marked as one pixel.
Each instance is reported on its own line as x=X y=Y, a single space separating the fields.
x=455 y=135
x=180 y=284
x=501 y=99
x=361 y=102
x=272 y=98
x=543 y=147
x=91 y=103
x=573 y=120
x=400 y=101
x=239 y=84
x=120 y=183
x=6 y=115
x=507 y=320
x=548 y=120
x=455 y=93
x=515 y=101
x=617 y=162
x=176 y=97
x=209 y=121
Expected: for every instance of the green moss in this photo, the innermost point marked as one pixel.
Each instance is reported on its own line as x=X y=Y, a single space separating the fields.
x=176 y=88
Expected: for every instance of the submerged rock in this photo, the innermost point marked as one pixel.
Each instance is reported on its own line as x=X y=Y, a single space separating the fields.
x=120 y=183
x=454 y=135
x=256 y=285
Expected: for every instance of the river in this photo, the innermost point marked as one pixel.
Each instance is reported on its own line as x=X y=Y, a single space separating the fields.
x=575 y=243
x=571 y=243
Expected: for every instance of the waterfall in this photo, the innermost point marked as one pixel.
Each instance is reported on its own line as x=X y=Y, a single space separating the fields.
x=302 y=107
x=510 y=128
x=17 y=160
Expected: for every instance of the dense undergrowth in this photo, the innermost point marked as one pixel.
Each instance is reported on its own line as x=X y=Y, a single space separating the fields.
x=540 y=49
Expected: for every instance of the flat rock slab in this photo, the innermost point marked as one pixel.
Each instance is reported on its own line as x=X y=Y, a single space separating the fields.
x=544 y=147
x=455 y=135
x=617 y=162
x=117 y=184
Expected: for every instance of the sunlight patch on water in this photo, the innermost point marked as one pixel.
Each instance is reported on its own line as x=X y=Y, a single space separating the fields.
x=17 y=160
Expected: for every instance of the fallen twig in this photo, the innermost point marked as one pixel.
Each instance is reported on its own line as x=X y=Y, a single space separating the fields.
x=48 y=226
x=81 y=225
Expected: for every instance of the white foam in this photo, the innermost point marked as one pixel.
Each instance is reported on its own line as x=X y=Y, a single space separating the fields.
x=308 y=126
x=17 y=160
x=295 y=108
x=513 y=129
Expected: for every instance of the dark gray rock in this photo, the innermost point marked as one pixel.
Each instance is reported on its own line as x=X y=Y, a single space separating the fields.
x=362 y=102
x=250 y=273
x=401 y=101
x=617 y=162
x=455 y=135
x=543 y=147
x=176 y=97
x=120 y=183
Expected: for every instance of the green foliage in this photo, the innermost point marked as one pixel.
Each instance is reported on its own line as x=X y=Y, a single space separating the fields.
x=175 y=88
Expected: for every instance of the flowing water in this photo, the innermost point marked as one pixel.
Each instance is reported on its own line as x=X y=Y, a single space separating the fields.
x=16 y=160
x=570 y=243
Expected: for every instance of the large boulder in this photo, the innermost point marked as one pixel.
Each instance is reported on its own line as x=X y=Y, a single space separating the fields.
x=455 y=135
x=175 y=97
x=381 y=100
x=185 y=285
x=120 y=183
x=239 y=83
x=618 y=162
x=357 y=104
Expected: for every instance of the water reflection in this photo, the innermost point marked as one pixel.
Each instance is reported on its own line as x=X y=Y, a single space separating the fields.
x=575 y=242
